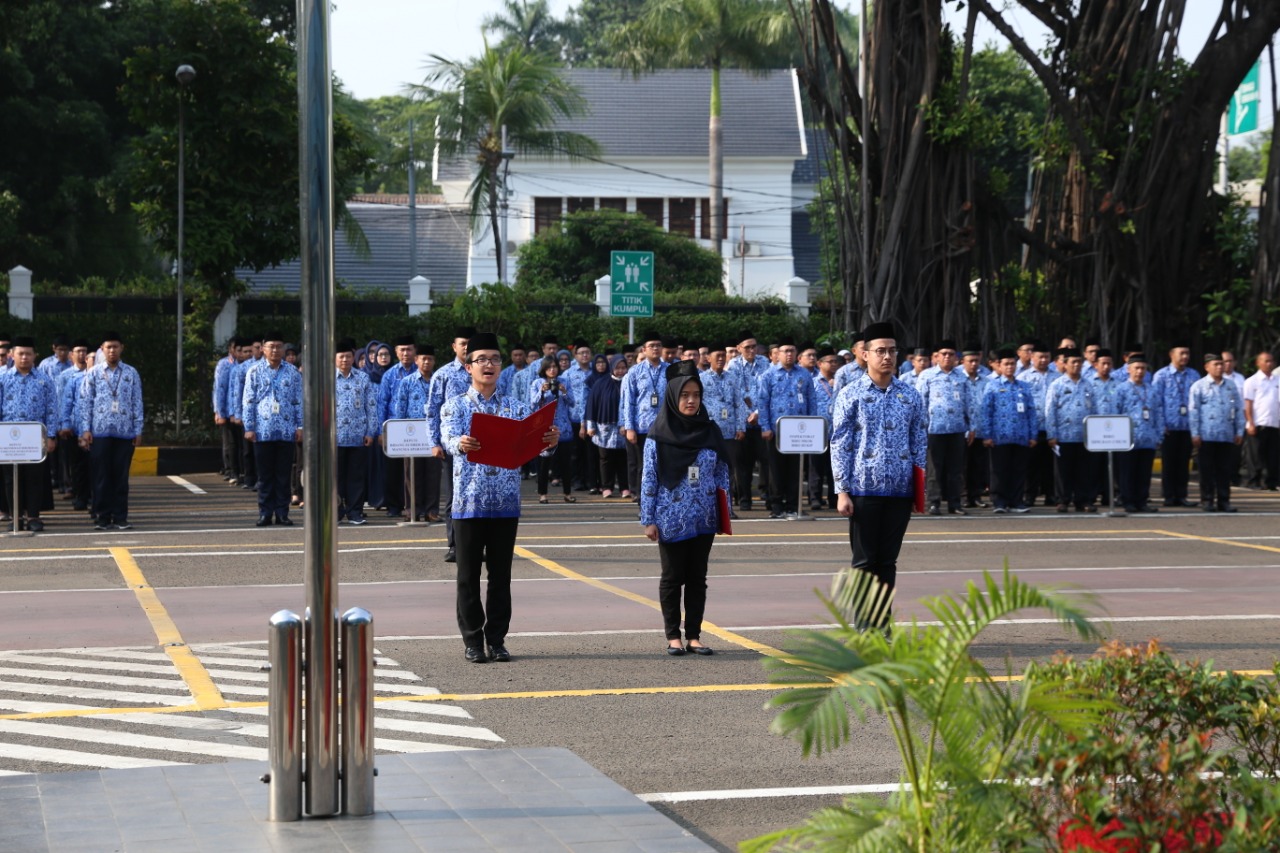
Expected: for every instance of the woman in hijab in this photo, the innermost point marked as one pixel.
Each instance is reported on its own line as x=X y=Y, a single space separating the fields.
x=547 y=387
x=601 y=421
x=685 y=462
x=564 y=358
x=375 y=470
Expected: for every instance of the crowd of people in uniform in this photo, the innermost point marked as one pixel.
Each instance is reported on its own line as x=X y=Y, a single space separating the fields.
x=89 y=403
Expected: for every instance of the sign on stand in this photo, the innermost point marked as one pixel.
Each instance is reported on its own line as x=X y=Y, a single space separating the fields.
x=800 y=434
x=1109 y=434
x=631 y=294
x=21 y=443
x=406 y=438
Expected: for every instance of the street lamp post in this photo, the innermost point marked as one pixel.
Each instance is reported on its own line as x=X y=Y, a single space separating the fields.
x=185 y=75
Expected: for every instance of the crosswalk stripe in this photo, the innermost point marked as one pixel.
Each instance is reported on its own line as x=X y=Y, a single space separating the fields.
x=72 y=692
x=436 y=708
x=391 y=724
x=95 y=678
x=134 y=741
x=49 y=755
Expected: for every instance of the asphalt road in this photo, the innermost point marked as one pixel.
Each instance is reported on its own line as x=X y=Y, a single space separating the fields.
x=86 y=616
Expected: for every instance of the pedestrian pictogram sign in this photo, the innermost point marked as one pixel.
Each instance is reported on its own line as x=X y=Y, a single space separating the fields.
x=632 y=292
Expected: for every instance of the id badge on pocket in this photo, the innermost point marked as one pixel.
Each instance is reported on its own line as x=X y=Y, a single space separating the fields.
x=694 y=475
x=1021 y=407
x=1182 y=410
x=115 y=406
x=275 y=408
x=653 y=401
x=1146 y=413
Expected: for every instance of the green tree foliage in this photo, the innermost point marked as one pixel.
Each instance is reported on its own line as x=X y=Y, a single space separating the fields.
x=241 y=138
x=527 y=24
x=1248 y=162
x=386 y=121
x=1009 y=97
x=589 y=30
x=63 y=130
x=577 y=254
x=515 y=89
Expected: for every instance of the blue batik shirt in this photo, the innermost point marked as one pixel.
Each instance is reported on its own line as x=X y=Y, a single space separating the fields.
x=878 y=438
x=1140 y=403
x=723 y=397
x=110 y=402
x=68 y=395
x=505 y=378
x=1173 y=389
x=235 y=391
x=946 y=401
x=642 y=391
x=447 y=383
x=1105 y=394
x=1007 y=412
x=52 y=368
x=521 y=381
x=784 y=392
x=576 y=378
x=824 y=398
x=1039 y=384
x=356 y=408
x=847 y=374
x=222 y=385
x=480 y=491
x=749 y=377
x=29 y=397
x=564 y=400
x=1216 y=410
x=1066 y=405
x=691 y=508
x=388 y=388
x=412 y=400
x=272 y=402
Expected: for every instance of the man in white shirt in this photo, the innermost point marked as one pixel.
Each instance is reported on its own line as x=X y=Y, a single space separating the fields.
x=1262 y=423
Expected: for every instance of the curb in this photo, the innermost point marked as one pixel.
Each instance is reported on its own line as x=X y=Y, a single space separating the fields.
x=151 y=461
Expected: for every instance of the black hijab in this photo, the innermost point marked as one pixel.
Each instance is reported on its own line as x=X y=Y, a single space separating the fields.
x=605 y=396
x=679 y=436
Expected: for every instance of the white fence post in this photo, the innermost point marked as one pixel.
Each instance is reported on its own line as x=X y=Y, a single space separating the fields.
x=419 y=295
x=21 y=301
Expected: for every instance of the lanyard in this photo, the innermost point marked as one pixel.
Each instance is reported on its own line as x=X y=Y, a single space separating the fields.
x=113 y=387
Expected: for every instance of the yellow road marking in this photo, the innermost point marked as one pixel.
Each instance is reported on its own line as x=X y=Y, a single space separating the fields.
x=1214 y=541
x=709 y=627
x=193 y=673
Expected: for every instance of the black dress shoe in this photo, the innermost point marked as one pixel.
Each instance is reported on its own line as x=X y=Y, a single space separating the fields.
x=956 y=510
x=935 y=510
x=499 y=654
x=675 y=651
x=702 y=650
x=1226 y=507
x=284 y=521
x=450 y=556
x=264 y=520
x=475 y=654
x=35 y=525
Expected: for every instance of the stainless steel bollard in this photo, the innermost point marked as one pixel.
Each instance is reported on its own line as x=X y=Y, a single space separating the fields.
x=357 y=712
x=284 y=717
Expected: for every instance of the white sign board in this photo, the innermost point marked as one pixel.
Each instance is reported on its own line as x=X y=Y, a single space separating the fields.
x=1103 y=433
x=22 y=443
x=801 y=434
x=406 y=438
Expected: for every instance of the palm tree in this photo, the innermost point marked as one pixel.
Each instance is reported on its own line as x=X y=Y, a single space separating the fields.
x=517 y=91
x=528 y=23
x=710 y=34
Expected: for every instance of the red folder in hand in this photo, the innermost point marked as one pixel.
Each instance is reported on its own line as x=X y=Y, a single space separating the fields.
x=507 y=442
x=722 y=513
x=917 y=488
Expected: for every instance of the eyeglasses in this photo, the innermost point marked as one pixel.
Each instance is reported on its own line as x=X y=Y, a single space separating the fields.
x=882 y=352
x=486 y=359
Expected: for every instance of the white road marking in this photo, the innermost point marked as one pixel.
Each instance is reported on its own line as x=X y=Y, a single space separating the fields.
x=94 y=678
x=72 y=692
x=20 y=752
x=415 y=726
x=434 y=708
x=131 y=740
x=190 y=487
x=760 y=793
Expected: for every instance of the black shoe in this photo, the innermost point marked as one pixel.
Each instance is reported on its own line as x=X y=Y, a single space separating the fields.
x=499 y=654
x=248 y=487
x=450 y=556
x=935 y=510
x=675 y=651
x=1226 y=507
x=956 y=510
x=35 y=525
x=701 y=650
x=123 y=525
x=284 y=521
x=475 y=654
x=1208 y=507
x=79 y=506
x=357 y=519
x=775 y=513
x=733 y=515
x=1185 y=502
x=264 y=520
x=102 y=524
x=1148 y=508
x=1062 y=507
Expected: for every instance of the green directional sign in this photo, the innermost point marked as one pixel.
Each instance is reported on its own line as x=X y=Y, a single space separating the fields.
x=1242 y=113
x=632 y=291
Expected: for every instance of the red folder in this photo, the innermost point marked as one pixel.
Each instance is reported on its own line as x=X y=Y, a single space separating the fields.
x=917 y=488
x=507 y=442
x=722 y=513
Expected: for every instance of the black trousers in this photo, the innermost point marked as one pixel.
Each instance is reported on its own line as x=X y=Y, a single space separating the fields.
x=446 y=498
x=353 y=480
x=977 y=471
x=426 y=485
x=821 y=485
x=613 y=468
x=945 y=472
x=1133 y=470
x=1008 y=474
x=33 y=482
x=635 y=462
x=754 y=449
x=274 y=460
x=684 y=565
x=557 y=465
x=1039 y=471
x=393 y=483
x=230 y=452
x=1074 y=467
x=1216 y=459
x=784 y=481
x=580 y=461
x=1175 y=465
x=1265 y=470
x=876 y=530
x=109 y=460
x=248 y=459
x=80 y=479
x=486 y=542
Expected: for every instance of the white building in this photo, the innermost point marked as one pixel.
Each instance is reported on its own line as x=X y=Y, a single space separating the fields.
x=652 y=133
